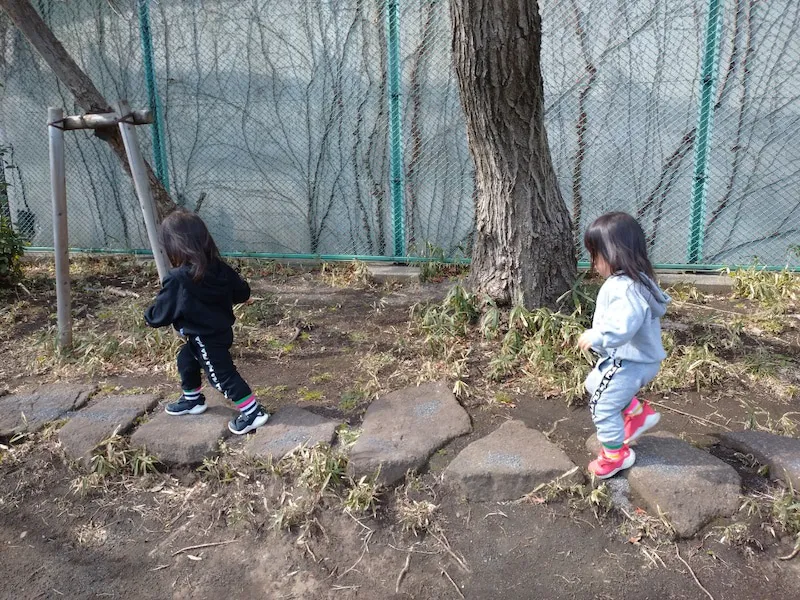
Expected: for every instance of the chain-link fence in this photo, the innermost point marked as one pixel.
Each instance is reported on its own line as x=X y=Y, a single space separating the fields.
x=334 y=127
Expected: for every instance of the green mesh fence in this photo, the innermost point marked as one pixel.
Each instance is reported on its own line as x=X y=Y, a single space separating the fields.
x=334 y=127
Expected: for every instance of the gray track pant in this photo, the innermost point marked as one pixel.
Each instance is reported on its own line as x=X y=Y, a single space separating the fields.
x=612 y=384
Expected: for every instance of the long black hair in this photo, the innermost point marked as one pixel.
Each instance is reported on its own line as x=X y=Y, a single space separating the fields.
x=619 y=240
x=187 y=241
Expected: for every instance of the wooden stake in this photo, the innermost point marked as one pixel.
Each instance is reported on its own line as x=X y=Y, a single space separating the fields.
x=142 y=185
x=58 y=183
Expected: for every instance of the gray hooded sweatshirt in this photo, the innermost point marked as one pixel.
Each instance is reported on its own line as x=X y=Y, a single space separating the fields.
x=626 y=323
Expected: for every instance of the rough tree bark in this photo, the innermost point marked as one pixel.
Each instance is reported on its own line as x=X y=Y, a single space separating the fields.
x=87 y=96
x=523 y=249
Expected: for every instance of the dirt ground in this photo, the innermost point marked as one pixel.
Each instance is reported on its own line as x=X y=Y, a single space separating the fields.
x=326 y=341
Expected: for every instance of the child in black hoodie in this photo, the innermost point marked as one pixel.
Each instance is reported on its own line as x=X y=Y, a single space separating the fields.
x=197 y=298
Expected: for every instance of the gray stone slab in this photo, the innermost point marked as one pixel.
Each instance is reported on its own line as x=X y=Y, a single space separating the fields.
x=98 y=421
x=781 y=454
x=690 y=486
x=289 y=428
x=185 y=439
x=507 y=464
x=382 y=273
x=402 y=429
x=704 y=282
x=30 y=412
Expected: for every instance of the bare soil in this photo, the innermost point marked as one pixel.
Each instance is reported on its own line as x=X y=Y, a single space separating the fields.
x=330 y=349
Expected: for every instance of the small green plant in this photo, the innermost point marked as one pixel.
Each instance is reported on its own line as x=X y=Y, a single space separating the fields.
x=786 y=512
x=490 y=321
x=316 y=468
x=347 y=437
x=595 y=498
x=12 y=247
x=435 y=266
x=363 y=496
x=261 y=311
x=216 y=470
x=503 y=399
x=351 y=399
x=781 y=509
x=432 y=269
x=442 y=323
x=696 y=366
x=547 y=341
x=143 y=463
x=769 y=288
x=321 y=378
x=687 y=293
x=112 y=457
x=308 y=395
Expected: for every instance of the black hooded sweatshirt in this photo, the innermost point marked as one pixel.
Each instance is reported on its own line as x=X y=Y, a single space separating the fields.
x=202 y=307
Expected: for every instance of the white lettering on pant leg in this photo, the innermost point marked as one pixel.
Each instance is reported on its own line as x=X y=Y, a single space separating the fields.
x=212 y=374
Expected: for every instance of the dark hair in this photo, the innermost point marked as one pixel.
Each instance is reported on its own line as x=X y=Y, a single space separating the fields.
x=187 y=241
x=619 y=240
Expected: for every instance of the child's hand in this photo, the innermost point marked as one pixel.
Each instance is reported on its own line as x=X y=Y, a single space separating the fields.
x=584 y=342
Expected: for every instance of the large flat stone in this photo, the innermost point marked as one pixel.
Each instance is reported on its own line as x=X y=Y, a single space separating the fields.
x=185 y=439
x=703 y=282
x=30 y=412
x=402 y=429
x=289 y=428
x=781 y=454
x=690 y=486
x=383 y=273
x=507 y=464
x=98 y=421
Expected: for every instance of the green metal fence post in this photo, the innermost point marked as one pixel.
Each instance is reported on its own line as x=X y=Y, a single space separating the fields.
x=159 y=141
x=397 y=188
x=705 y=122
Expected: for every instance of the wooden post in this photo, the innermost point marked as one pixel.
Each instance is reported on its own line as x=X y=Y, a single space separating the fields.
x=58 y=182
x=142 y=185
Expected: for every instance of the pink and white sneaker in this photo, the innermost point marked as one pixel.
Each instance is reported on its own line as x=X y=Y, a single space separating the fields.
x=636 y=425
x=604 y=467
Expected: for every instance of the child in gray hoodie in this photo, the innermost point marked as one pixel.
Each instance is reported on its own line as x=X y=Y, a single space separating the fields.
x=626 y=334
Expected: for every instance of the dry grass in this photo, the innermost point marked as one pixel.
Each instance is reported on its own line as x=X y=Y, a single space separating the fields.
x=345 y=275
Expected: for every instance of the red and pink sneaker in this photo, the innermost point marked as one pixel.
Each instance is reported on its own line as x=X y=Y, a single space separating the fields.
x=636 y=425
x=604 y=467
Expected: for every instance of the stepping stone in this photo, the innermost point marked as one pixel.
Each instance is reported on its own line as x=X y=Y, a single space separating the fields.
x=781 y=454
x=382 y=273
x=508 y=463
x=30 y=412
x=289 y=428
x=97 y=422
x=690 y=486
x=185 y=439
x=402 y=429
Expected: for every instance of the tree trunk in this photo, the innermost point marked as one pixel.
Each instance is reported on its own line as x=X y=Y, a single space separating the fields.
x=87 y=96
x=523 y=248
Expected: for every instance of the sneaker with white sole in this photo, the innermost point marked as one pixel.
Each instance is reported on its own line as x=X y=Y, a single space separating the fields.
x=604 y=467
x=245 y=423
x=636 y=425
x=184 y=406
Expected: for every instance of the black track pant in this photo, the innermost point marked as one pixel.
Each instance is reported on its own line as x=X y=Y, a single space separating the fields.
x=211 y=354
